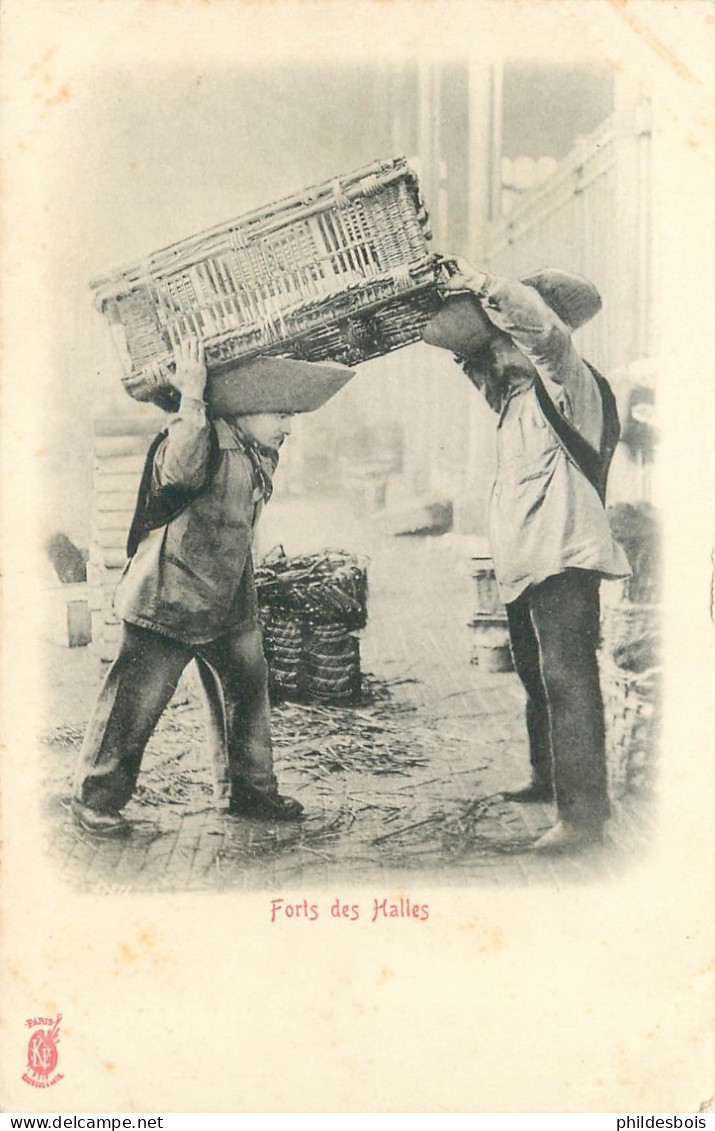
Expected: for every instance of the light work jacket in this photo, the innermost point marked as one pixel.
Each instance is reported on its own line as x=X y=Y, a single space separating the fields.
x=544 y=515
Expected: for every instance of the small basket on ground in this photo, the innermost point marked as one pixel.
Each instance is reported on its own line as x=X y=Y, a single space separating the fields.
x=312 y=607
x=341 y=271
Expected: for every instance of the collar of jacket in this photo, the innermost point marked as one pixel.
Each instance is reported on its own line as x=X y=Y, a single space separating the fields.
x=263 y=460
x=498 y=396
x=515 y=389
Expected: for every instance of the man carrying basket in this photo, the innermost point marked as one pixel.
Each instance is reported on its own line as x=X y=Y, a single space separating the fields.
x=188 y=590
x=550 y=538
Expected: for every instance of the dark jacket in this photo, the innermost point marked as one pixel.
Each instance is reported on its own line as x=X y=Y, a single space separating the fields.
x=192 y=577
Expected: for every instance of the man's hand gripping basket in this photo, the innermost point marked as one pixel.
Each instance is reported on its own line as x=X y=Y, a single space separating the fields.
x=339 y=272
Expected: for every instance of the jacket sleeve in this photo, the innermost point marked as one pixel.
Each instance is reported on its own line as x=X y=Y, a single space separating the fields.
x=182 y=459
x=520 y=311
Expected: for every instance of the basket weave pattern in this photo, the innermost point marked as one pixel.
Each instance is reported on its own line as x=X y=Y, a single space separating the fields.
x=630 y=671
x=632 y=723
x=311 y=608
x=624 y=624
x=340 y=272
x=313 y=663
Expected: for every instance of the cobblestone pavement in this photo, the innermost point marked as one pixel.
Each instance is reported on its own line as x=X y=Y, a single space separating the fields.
x=403 y=787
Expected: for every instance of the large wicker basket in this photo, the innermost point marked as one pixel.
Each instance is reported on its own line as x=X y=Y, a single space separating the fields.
x=341 y=272
x=625 y=624
x=312 y=607
x=632 y=709
x=311 y=662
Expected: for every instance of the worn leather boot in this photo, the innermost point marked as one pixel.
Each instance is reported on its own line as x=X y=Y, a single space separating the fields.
x=533 y=792
x=252 y=802
x=100 y=824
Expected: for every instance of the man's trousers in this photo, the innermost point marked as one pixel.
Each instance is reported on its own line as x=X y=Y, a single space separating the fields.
x=554 y=629
x=137 y=688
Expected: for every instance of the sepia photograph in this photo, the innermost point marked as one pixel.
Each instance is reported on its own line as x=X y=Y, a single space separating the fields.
x=348 y=593
x=451 y=692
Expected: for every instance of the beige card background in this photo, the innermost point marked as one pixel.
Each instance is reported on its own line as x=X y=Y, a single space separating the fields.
x=591 y=998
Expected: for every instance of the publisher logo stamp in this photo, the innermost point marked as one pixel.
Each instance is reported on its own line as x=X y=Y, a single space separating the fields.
x=42 y=1054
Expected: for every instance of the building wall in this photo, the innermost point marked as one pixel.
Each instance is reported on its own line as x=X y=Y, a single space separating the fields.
x=592 y=215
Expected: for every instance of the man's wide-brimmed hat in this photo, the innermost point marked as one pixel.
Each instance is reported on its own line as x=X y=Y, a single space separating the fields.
x=460 y=325
x=274 y=384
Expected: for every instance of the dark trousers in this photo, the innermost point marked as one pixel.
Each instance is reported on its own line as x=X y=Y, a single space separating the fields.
x=138 y=687
x=554 y=630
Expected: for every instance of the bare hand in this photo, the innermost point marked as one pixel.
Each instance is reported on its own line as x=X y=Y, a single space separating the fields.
x=466 y=277
x=190 y=376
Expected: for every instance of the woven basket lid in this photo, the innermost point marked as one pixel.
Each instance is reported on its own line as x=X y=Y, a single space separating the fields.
x=275 y=384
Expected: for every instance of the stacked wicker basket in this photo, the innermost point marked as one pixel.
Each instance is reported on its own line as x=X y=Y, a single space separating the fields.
x=312 y=607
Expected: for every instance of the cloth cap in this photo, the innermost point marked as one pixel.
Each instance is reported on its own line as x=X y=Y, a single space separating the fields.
x=274 y=384
x=574 y=298
x=461 y=325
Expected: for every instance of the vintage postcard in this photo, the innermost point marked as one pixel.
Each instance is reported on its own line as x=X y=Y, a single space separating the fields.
x=357 y=694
